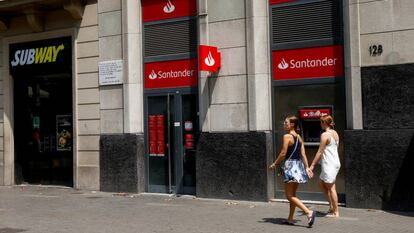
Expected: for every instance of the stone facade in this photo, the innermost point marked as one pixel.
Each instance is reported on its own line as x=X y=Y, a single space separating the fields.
x=234 y=104
x=380 y=89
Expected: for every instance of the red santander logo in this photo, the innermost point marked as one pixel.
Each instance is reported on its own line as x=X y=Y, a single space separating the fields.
x=209 y=58
x=169 y=7
x=320 y=62
x=171 y=74
x=153 y=10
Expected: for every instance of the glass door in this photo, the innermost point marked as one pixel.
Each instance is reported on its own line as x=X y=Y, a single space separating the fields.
x=171 y=132
x=43 y=129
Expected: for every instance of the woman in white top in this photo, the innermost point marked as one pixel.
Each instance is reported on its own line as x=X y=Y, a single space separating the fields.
x=330 y=164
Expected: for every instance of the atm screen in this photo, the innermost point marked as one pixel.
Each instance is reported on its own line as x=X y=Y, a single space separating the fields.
x=311 y=131
x=311 y=127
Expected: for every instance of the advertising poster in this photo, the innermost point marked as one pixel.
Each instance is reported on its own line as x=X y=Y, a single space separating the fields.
x=63 y=132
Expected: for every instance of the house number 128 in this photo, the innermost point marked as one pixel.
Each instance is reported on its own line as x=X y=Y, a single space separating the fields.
x=375 y=50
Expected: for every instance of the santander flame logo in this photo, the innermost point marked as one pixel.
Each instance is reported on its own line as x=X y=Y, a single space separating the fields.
x=283 y=65
x=209 y=60
x=169 y=7
x=153 y=75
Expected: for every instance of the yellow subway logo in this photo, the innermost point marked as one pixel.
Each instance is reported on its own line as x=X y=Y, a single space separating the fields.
x=41 y=55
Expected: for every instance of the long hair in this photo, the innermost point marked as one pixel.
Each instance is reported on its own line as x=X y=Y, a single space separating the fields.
x=328 y=120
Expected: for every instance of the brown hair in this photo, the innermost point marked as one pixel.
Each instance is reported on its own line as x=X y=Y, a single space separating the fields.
x=328 y=120
x=295 y=121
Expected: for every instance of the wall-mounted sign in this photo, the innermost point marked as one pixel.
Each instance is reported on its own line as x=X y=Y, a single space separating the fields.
x=170 y=74
x=40 y=57
x=209 y=58
x=314 y=113
x=375 y=50
x=153 y=10
x=111 y=72
x=279 y=1
x=319 y=62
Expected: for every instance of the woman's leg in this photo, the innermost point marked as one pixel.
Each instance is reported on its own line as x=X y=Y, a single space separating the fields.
x=328 y=197
x=290 y=190
x=334 y=199
x=292 y=206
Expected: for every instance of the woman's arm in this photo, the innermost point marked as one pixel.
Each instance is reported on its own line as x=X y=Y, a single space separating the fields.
x=303 y=154
x=283 y=151
x=322 y=145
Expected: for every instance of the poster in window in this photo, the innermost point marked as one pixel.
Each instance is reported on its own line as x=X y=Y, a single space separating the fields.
x=63 y=132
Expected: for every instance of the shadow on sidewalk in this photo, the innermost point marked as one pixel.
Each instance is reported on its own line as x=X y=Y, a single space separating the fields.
x=280 y=222
x=11 y=230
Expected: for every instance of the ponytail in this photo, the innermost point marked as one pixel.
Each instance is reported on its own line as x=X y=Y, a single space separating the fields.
x=328 y=120
x=295 y=121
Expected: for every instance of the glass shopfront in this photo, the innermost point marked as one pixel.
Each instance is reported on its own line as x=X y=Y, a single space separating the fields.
x=43 y=126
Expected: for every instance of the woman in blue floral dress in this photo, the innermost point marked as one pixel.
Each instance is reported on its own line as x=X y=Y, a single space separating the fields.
x=295 y=169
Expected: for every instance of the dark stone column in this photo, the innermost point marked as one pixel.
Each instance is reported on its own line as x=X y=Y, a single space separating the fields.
x=378 y=169
x=122 y=166
x=234 y=166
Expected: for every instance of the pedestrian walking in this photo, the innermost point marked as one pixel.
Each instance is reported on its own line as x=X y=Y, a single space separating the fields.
x=293 y=156
x=330 y=164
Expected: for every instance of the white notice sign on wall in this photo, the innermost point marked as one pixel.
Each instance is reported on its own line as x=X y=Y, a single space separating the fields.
x=110 y=72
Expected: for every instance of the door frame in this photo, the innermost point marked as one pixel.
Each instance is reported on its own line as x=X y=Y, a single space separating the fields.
x=178 y=135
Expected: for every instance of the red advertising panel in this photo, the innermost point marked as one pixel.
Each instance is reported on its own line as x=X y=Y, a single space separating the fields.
x=170 y=74
x=279 y=1
x=153 y=10
x=314 y=113
x=156 y=135
x=319 y=62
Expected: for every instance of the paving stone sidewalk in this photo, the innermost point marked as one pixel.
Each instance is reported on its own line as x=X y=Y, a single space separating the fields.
x=43 y=209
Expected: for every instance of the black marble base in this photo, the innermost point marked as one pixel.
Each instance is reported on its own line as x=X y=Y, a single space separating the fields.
x=234 y=166
x=122 y=167
x=387 y=96
x=378 y=169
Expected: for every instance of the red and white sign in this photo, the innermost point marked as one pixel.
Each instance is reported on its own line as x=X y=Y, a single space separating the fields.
x=314 y=113
x=209 y=58
x=153 y=10
x=170 y=74
x=319 y=62
x=279 y=1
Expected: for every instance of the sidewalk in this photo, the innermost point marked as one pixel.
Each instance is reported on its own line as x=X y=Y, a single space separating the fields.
x=45 y=209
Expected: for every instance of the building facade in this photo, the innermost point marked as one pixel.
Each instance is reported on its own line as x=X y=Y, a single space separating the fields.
x=108 y=95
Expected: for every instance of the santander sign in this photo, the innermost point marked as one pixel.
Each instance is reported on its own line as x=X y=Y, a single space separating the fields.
x=154 y=10
x=320 y=62
x=170 y=74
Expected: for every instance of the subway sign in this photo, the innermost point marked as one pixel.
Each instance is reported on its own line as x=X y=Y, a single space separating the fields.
x=153 y=10
x=317 y=62
x=40 y=57
x=171 y=74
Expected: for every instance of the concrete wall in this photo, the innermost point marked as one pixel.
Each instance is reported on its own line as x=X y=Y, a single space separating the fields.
x=240 y=93
x=88 y=104
x=110 y=48
x=235 y=103
x=390 y=23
